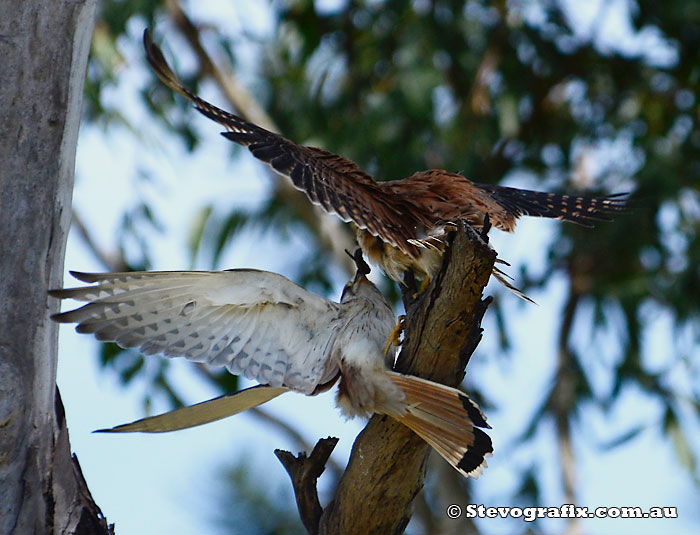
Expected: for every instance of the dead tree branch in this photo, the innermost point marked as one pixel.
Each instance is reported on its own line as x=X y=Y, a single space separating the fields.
x=304 y=472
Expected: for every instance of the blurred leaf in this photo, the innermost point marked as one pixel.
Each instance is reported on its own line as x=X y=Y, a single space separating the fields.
x=625 y=437
x=684 y=453
x=226 y=231
x=197 y=228
x=529 y=490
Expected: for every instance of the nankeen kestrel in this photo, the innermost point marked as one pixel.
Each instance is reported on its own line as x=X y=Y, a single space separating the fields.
x=268 y=329
x=400 y=224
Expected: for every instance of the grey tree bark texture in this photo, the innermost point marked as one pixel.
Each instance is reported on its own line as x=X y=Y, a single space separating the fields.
x=44 y=48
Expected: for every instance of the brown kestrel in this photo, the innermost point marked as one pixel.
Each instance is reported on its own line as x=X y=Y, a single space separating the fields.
x=401 y=225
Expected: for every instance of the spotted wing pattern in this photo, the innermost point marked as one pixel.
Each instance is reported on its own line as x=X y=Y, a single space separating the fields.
x=254 y=323
x=335 y=183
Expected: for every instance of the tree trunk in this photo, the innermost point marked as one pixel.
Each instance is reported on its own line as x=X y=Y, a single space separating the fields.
x=44 y=48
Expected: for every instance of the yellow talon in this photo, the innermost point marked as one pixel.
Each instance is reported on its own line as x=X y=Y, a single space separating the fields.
x=423 y=286
x=395 y=334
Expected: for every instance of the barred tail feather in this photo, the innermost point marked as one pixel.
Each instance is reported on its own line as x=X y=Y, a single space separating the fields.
x=447 y=420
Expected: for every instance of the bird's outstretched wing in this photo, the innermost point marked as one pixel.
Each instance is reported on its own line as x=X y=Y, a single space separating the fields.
x=335 y=183
x=582 y=210
x=255 y=323
x=201 y=413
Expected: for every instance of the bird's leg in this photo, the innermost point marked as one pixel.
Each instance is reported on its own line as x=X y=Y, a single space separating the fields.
x=409 y=280
x=395 y=334
x=423 y=286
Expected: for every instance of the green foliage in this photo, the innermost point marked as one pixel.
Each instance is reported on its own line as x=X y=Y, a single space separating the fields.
x=113 y=18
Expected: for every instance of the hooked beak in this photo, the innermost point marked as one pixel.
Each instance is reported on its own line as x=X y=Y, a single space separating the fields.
x=362 y=266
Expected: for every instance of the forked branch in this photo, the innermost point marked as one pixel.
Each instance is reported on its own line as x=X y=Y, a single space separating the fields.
x=304 y=472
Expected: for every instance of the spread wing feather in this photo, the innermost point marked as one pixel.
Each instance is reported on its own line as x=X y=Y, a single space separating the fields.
x=335 y=183
x=582 y=210
x=255 y=323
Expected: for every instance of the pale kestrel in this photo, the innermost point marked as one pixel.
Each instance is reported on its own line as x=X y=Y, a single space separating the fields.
x=264 y=327
x=400 y=224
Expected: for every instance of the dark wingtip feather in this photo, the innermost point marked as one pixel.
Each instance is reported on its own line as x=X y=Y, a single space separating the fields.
x=60 y=293
x=147 y=41
x=88 y=277
x=155 y=57
x=115 y=429
x=65 y=293
x=59 y=317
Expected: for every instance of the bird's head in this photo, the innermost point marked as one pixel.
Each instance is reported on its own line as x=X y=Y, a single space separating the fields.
x=360 y=286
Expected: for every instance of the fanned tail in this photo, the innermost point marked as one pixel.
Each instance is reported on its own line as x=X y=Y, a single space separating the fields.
x=447 y=420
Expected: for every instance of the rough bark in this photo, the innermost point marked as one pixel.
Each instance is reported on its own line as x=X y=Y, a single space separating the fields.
x=44 y=46
x=387 y=464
